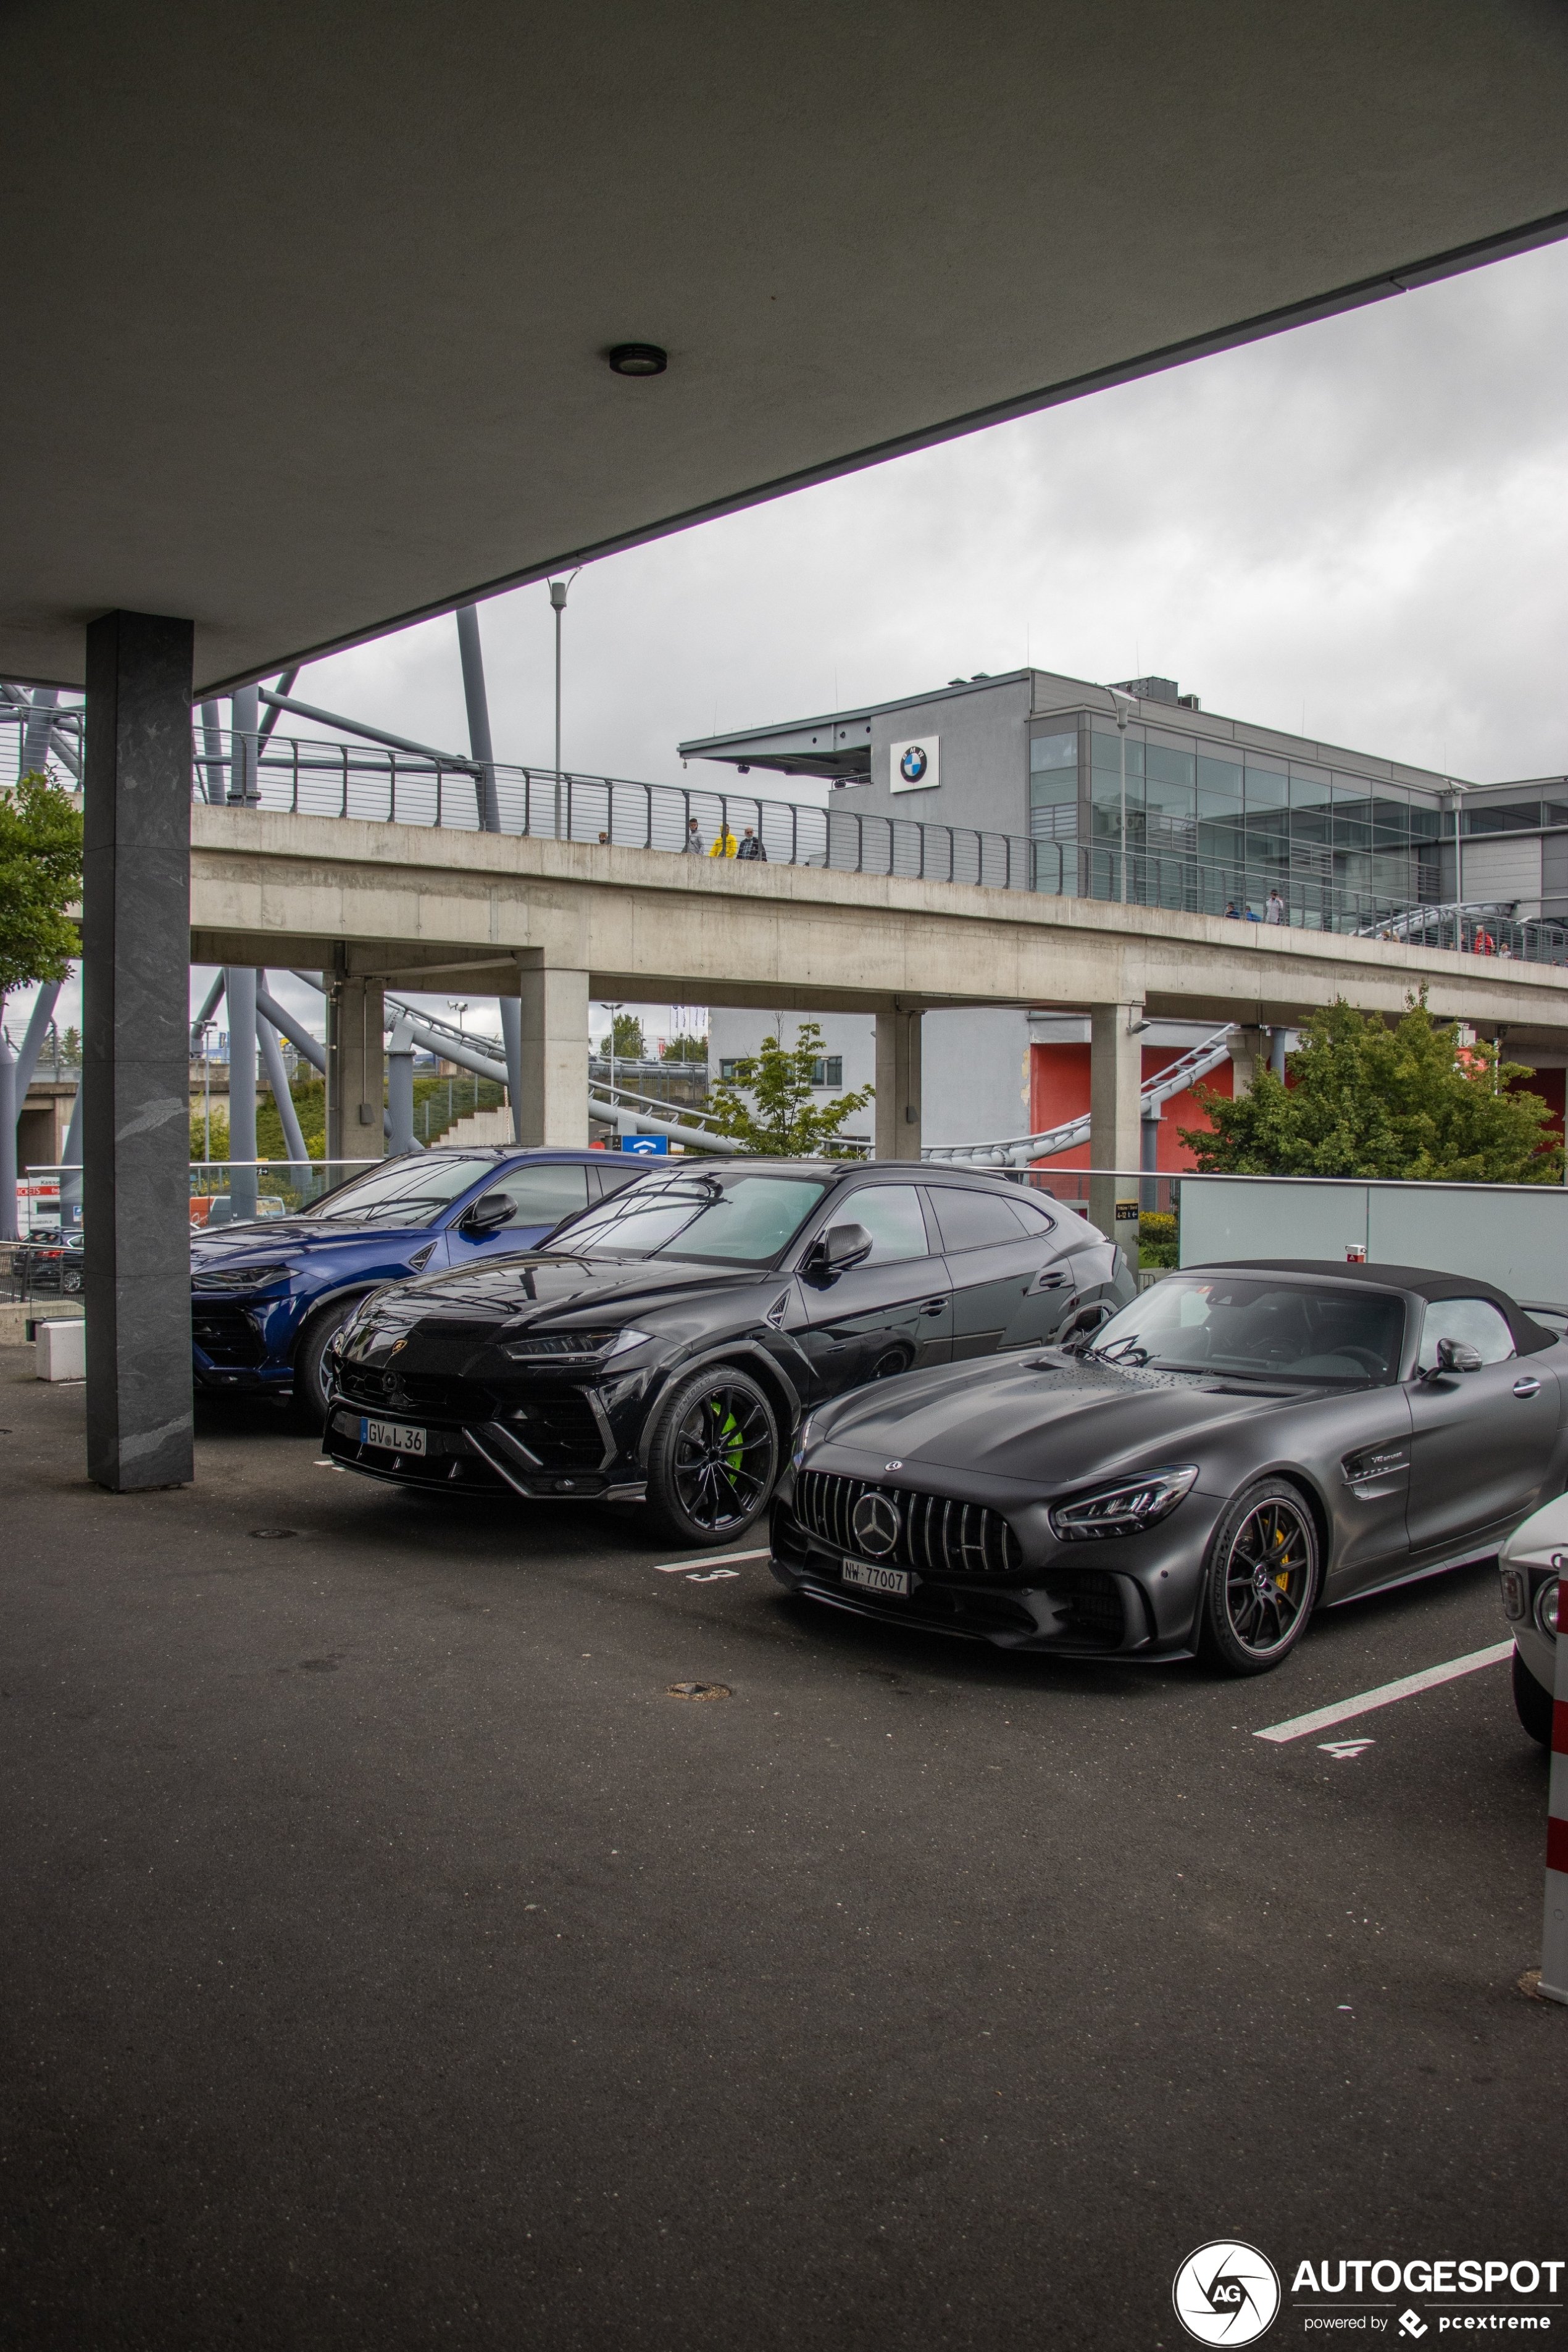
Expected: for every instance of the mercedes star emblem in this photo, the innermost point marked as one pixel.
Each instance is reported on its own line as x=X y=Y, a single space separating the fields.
x=875 y=1520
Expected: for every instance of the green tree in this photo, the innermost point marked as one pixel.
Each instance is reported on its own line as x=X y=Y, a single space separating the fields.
x=786 y=1123
x=686 y=1049
x=631 y=1045
x=1367 y=1100
x=40 y=874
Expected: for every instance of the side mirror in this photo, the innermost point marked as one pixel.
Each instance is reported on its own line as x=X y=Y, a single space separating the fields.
x=1082 y=1325
x=834 y=1251
x=490 y=1209
x=1454 y=1356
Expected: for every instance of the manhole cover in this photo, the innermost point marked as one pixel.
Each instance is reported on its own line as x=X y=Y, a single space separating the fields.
x=699 y=1690
x=273 y=1534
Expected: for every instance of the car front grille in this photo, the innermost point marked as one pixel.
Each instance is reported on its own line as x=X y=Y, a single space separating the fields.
x=410 y=1391
x=943 y=1536
x=225 y=1335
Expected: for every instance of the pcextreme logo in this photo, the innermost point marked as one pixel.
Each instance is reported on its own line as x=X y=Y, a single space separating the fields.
x=1226 y=2293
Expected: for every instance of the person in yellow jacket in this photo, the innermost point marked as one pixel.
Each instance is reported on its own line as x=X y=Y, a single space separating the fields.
x=725 y=846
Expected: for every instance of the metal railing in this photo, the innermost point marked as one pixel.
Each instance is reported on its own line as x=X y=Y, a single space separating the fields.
x=317 y=777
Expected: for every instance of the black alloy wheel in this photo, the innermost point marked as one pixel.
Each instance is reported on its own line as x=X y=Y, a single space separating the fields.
x=714 y=1456
x=309 y=1371
x=1264 y=1571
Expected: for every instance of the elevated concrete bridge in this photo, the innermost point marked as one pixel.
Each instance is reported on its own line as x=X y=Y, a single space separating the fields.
x=373 y=904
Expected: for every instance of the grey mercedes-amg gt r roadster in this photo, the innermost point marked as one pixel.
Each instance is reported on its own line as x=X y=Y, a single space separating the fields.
x=1241 y=1444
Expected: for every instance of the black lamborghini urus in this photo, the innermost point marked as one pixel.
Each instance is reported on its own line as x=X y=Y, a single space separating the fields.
x=661 y=1347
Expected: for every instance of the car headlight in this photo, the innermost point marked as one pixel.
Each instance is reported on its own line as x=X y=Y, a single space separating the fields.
x=1121 y=1510
x=216 y=1282
x=802 y=1440
x=1546 y=1608
x=573 y=1347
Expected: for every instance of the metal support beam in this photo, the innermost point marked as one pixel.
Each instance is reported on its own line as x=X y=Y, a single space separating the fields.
x=299 y=1036
x=35 y=734
x=241 y=983
x=277 y=1079
x=897 y=1118
x=1115 y=1074
x=1276 y=1052
x=245 y=750
x=136 y=920
x=215 y=760
x=1149 y=1191
x=481 y=745
x=32 y=1043
x=554 y=1041
x=357 y=727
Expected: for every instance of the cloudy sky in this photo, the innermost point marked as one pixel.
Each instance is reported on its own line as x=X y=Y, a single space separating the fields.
x=1354 y=529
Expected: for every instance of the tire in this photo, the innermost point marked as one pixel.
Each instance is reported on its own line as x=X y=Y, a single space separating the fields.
x=1261 y=1584
x=713 y=1458
x=309 y=1390
x=1532 y=1705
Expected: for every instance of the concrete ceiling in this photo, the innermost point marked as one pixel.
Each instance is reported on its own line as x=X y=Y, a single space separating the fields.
x=308 y=304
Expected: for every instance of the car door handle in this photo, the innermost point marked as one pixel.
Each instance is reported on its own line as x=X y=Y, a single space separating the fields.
x=934 y=1306
x=1527 y=1388
x=1047 y=1281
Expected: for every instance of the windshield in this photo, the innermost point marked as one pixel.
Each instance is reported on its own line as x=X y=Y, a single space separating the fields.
x=1256 y=1328
x=410 y=1192
x=722 y=1215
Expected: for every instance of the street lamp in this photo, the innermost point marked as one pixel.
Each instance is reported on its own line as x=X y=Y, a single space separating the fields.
x=612 y=1009
x=1123 y=705
x=558 y=589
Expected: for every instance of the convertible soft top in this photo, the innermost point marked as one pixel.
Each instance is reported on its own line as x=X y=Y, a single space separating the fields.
x=1529 y=1338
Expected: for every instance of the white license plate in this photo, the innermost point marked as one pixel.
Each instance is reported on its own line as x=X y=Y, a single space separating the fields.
x=877 y=1580
x=392 y=1437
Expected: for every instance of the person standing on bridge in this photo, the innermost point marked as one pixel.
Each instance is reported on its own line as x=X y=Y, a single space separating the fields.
x=693 y=844
x=725 y=844
x=750 y=846
x=1274 y=912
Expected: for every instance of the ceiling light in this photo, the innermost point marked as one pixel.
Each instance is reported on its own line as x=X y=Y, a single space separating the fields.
x=638 y=359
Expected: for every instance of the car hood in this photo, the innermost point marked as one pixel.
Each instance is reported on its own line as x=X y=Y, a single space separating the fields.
x=256 y=1244
x=533 y=1287
x=1038 y=1421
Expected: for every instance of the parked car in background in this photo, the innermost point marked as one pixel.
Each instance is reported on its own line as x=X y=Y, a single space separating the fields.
x=661 y=1348
x=1530 y=1568
x=1241 y=1445
x=267 y=1297
x=48 y=1262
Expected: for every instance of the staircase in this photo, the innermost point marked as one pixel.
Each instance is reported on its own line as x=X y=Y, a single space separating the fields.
x=481 y=1127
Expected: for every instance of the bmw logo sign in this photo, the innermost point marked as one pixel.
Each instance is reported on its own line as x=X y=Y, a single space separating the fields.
x=875 y=1520
x=913 y=765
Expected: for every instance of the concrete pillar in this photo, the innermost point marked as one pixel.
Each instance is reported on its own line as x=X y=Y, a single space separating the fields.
x=897 y=1128
x=554 y=1040
x=240 y=985
x=356 y=1070
x=1115 y=1076
x=1277 y=1052
x=400 y=1084
x=136 y=927
x=1250 y=1050
x=245 y=748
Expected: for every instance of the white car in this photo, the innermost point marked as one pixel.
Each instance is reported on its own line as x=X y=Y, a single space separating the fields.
x=1530 y=1566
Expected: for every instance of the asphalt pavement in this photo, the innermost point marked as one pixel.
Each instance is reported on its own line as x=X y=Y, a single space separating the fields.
x=393 y=1959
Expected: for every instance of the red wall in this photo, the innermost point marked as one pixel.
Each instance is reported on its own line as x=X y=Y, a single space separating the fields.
x=1058 y=1090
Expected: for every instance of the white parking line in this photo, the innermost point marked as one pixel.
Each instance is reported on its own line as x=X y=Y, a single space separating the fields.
x=708 y=1560
x=1385 y=1694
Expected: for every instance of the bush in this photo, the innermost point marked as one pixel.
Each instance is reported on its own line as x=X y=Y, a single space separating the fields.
x=1158 y=1237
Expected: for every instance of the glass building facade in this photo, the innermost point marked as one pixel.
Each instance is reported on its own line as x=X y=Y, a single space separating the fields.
x=1208 y=826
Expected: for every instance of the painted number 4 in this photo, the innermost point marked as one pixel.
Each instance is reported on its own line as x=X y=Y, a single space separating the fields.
x=1345 y=1749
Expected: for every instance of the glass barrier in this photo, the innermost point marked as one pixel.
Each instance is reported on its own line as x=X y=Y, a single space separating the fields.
x=235 y=1192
